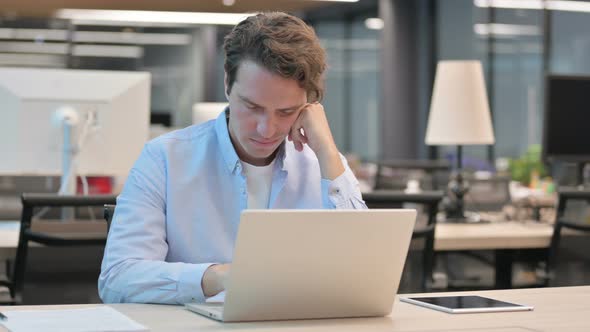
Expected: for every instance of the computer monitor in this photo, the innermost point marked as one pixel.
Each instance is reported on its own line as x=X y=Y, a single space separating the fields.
x=567 y=115
x=112 y=110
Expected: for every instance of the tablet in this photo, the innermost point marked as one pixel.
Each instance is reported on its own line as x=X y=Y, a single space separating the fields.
x=465 y=304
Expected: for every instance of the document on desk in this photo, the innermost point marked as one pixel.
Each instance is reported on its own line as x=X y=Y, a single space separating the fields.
x=100 y=318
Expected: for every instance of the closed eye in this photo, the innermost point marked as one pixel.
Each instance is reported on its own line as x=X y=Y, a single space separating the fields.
x=253 y=107
x=286 y=112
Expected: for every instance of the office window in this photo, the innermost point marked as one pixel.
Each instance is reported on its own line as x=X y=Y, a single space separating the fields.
x=456 y=40
x=332 y=36
x=509 y=42
x=353 y=93
x=517 y=81
x=365 y=90
x=570 y=43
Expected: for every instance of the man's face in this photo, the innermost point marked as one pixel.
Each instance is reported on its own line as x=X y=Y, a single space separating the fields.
x=263 y=107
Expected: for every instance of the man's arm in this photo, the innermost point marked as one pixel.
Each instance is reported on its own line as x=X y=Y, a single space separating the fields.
x=340 y=188
x=134 y=267
x=318 y=136
x=343 y=192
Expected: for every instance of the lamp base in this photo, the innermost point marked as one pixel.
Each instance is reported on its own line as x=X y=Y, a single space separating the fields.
x=453 y=204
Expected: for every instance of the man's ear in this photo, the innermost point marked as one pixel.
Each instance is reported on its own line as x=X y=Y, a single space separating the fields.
x=226 y=86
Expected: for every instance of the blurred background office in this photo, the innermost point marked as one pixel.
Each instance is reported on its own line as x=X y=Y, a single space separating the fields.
x=382 y=58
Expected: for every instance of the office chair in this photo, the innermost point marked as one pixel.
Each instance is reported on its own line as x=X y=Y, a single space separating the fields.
x=387 y=199
x=561 y=223
x=52 y=233
x=488 y=194
x=486 y=198
x=393 y=174
x=108 y=213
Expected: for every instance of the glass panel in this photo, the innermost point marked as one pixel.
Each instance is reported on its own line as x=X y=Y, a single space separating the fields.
x=365 y=90
x=514 y=78
x=457 y=40
x=332 y=37
x=352 y=84
x=517 y=84
x=570 y=43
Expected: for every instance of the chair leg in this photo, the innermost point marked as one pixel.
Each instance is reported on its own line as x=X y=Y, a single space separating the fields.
x=8 y=267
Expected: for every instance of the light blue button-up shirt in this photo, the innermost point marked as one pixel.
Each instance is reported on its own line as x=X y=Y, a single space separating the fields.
x=179 y=211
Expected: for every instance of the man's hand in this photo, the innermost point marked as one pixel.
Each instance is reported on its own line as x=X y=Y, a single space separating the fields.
x=214 y=279
x=316 y=133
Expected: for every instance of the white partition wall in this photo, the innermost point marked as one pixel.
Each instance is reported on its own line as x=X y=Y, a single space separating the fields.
x=112 y=109
x=203 y=112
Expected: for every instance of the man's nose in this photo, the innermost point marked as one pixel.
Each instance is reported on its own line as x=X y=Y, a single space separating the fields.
x=266 y=126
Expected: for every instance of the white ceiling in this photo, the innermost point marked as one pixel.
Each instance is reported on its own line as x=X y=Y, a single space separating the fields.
x=45 y=8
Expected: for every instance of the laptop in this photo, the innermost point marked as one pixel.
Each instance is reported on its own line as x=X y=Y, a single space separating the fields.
x=309 y=264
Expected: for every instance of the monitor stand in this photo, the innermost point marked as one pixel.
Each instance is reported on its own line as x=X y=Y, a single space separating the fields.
x=67 y=118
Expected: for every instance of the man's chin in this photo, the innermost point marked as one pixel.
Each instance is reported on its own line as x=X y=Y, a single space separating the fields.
x=263 y=154
x=260 y=155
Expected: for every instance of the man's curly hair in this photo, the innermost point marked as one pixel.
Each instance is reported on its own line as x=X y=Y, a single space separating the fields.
x=281 y=43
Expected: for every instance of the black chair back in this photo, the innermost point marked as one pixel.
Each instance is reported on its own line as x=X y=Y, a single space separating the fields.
x=53 y=233
x=388 y=199
x=565 y=195
x=435 y=173
x=108 y=213
x=488 y=194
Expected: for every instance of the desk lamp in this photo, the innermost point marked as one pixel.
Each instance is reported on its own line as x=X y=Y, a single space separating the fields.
x=459 y=115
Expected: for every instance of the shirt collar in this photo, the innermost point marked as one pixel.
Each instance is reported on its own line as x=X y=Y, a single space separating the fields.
x=230 y=156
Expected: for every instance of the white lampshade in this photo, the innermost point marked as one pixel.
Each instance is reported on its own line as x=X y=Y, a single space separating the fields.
x=459 y=111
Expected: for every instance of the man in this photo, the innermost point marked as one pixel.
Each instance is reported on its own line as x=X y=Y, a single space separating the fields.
x=176 y=221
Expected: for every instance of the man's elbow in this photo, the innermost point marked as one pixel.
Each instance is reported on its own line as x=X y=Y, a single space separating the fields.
x=106 y=292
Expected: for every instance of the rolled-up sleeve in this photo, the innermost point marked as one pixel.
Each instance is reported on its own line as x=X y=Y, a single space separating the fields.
x=134 y=267
x=343 y=192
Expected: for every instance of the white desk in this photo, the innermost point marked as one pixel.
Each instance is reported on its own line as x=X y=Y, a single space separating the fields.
x=556 y=309
x=505 y=238
x=9 y=231
x=503 y=235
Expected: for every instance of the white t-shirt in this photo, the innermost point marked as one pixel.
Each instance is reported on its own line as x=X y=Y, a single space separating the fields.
x=259 y=182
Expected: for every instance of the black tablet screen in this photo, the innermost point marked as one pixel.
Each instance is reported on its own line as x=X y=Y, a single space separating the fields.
x=464 y=302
